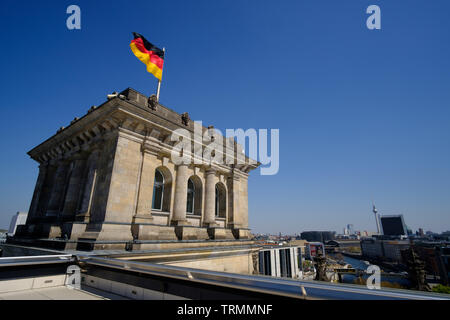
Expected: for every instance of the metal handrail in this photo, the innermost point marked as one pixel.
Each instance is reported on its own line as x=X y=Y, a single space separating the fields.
x=301 y=289
x=34 y=260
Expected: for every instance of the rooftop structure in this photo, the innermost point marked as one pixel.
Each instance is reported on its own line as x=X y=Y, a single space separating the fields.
x=393 y=225
x=20 y=218
x=109 y=179
x=319 y=236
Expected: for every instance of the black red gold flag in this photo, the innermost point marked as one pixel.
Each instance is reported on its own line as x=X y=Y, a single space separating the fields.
x=150 y=55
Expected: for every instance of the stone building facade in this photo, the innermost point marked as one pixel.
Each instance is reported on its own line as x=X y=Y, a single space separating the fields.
x=109 y=178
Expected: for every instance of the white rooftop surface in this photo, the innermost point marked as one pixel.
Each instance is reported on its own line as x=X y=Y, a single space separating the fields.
x=58 y=293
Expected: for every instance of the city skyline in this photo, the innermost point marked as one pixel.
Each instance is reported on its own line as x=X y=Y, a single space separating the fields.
x=363 y=114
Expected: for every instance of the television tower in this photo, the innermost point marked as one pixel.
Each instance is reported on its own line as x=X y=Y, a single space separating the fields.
x=377 y=220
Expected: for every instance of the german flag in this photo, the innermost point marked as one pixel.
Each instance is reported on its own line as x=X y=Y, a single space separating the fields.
x=150 y=55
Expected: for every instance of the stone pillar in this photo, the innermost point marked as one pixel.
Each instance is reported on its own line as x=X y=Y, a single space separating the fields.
x=239 y=222
x=57 y=194
x=87 y=193
x=145 y=196
x=243 y=201
x=45 y=193
x=233 y=201
x=210 y=199
x=179 y=206
x=73 y=190
x=32 y=212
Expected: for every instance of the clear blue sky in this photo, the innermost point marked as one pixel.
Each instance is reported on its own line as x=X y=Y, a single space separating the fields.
x=362 y=114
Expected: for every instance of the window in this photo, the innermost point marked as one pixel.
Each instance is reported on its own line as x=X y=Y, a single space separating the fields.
x=194 y=196
x=285 y=262
x=158 y=191
x=265 y=267
x=190 y=197
x=217 y=202
x=220 y=201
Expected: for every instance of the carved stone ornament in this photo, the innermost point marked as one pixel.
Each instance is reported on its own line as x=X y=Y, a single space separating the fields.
x=152 y=102
x=185 y=118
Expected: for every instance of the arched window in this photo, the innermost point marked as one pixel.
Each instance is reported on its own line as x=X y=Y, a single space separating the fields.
x=194 y=196
x=158 y=191
x=162 y=190
x=220 y=201
x=190 y=197
x=217 y=201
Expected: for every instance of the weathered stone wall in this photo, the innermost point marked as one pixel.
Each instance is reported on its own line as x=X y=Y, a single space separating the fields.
x=74 y=188
x=239 y=263
x=243 y=202
x=124 y=177
x=103 y=180
x=88 y=185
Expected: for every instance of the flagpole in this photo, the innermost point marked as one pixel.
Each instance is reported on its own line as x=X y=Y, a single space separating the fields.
x=159 y=81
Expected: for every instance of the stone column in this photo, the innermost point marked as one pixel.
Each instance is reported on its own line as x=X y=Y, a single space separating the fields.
x=179 y=206
x=87 y=193
x=45 y=193
x=239 y=223
x=58 y=189
x=210 y=198
x=243 y=202
x=233 y=201
x=32 y=212
x=73 y=190
x=147 y=179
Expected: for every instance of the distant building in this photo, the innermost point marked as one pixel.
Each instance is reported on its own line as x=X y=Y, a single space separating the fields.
x=393 y=249
x=436 y=256
x=371 y=247
x=393 y=225
x=384 y=248
x=20 y=218
x=318 y=236
x=299 y=243
x=421 y=233
x=350 y=229
x=280 y=262
x=444 y=236
x=443 y=255
x=312 y=248
x=366 y=233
